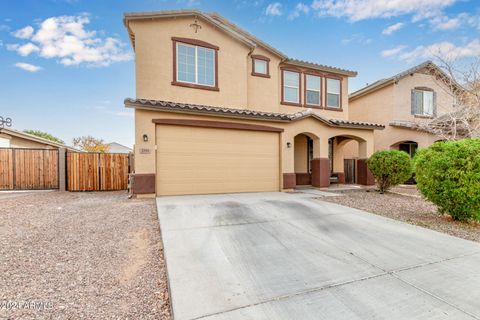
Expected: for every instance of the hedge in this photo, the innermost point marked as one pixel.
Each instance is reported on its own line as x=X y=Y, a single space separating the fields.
x=448 y=174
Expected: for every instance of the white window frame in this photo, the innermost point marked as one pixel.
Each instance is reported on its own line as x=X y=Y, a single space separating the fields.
x=339 y=94
x=196 y=65
x=319 y=91
x=292 y=87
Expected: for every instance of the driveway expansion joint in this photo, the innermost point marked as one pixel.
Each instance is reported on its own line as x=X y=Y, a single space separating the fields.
x=295 y=294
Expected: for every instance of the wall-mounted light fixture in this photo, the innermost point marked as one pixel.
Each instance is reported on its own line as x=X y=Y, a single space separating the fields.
x=289 y=144
x=145 y=138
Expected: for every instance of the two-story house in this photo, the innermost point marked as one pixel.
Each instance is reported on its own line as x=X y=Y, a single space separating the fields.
x=401 y=103
x=218 y=110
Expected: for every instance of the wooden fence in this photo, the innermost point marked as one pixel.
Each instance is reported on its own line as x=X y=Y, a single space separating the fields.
x=97 y=171
x=28 y=169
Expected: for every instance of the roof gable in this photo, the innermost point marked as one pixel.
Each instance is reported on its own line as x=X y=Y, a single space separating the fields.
x=230 y=28
x=427 y=67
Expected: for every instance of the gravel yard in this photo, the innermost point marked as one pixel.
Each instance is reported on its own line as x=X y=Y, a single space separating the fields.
x=81 y=256
x=409 y=207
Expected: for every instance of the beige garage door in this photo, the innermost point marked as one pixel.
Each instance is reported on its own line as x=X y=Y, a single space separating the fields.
x=197 y=160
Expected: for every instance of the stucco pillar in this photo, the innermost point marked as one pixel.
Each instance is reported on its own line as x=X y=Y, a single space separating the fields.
x=320 y=164
x=288 y=163
x=364 y=176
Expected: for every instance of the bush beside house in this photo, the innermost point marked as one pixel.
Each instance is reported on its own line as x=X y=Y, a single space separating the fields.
x=448 y=174
x=390 y=168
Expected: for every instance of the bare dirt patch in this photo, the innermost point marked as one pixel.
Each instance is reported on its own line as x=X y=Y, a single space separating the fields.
x=409 y=207
x=84 y=255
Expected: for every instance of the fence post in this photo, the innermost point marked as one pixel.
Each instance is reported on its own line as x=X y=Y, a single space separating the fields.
x=61 y=169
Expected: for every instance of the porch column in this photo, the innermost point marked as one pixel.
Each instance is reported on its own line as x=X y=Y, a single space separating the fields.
x=338 y=156
x=288 y=163
x=364 y=176
x=320 y=164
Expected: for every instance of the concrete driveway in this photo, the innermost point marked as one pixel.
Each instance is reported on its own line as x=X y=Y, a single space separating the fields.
x=289 y=256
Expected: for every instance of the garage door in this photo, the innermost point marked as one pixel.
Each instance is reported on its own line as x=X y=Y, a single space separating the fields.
x=198 y=160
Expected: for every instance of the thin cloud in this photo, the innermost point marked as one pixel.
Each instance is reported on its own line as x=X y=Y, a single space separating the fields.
x=369 y=9
x=357 y=38
x=445 y=50
x=392 y=28
x=444 y=23
x=274 y=9
x=24 y=33
x=27 y=67
x=300 y=8
x=393 y=51
x=66 y=39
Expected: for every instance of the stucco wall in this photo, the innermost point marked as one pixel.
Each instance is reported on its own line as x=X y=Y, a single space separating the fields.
x=319 y=132
x=17 y=142
x=402 y=96
x=237 y=87
x=301 y=154
x=393 y=103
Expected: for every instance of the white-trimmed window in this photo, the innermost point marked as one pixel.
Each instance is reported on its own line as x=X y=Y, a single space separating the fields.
x=291 y=86
x=422 y=102
x=312 y=90
x=333 y=93
x=195 y=64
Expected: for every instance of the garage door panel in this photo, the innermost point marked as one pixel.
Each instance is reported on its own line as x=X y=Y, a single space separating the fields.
x=207 y=160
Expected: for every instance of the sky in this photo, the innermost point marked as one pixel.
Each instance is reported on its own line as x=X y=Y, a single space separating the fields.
x=67 y=65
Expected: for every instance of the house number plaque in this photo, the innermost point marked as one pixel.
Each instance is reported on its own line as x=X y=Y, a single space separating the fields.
x=5 y=122
x=144 y=151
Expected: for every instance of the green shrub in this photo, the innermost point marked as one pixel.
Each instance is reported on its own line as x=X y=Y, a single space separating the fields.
x=390 y=168
x=448 y=174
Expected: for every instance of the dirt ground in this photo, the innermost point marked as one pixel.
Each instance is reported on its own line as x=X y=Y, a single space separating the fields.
x=92 y=255
x=406 y=204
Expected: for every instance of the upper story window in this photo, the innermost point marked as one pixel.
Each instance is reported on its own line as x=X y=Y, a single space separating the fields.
x=333 y=93
x=195 y=64
x=260 y=66
x=291 y=87
x=313 y=89
x=423 y=103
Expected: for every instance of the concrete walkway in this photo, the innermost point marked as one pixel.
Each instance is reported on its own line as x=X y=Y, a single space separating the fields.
x=289 y=256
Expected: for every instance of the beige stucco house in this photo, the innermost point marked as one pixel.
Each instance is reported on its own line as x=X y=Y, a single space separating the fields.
x=401 y=103
x=218 y=110
x=11 y=138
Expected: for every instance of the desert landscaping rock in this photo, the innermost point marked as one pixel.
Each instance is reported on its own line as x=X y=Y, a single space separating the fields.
x=407 y=205
x=84 y=255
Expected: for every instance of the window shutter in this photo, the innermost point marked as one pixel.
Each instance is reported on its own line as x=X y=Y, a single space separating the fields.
x=434 y=104
x=413 y=103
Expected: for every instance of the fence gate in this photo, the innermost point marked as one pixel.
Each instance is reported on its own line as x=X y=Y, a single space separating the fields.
x=97 y=171
x=28 y=169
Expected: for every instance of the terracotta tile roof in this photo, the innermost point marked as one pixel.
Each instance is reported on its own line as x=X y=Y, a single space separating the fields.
x=244 y=113
x=352 y=123
x=321 y=67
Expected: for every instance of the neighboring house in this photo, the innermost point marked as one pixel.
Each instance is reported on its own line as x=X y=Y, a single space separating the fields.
x=401 y=103
x=114 y=147
x=11 y=138
x=218 y=110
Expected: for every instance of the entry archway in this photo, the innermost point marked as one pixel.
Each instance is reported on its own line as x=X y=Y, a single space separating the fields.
x=344 y=170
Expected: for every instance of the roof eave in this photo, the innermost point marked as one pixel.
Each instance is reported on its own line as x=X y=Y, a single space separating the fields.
x=132 y=16
x=366 y=90
x=343 y=72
